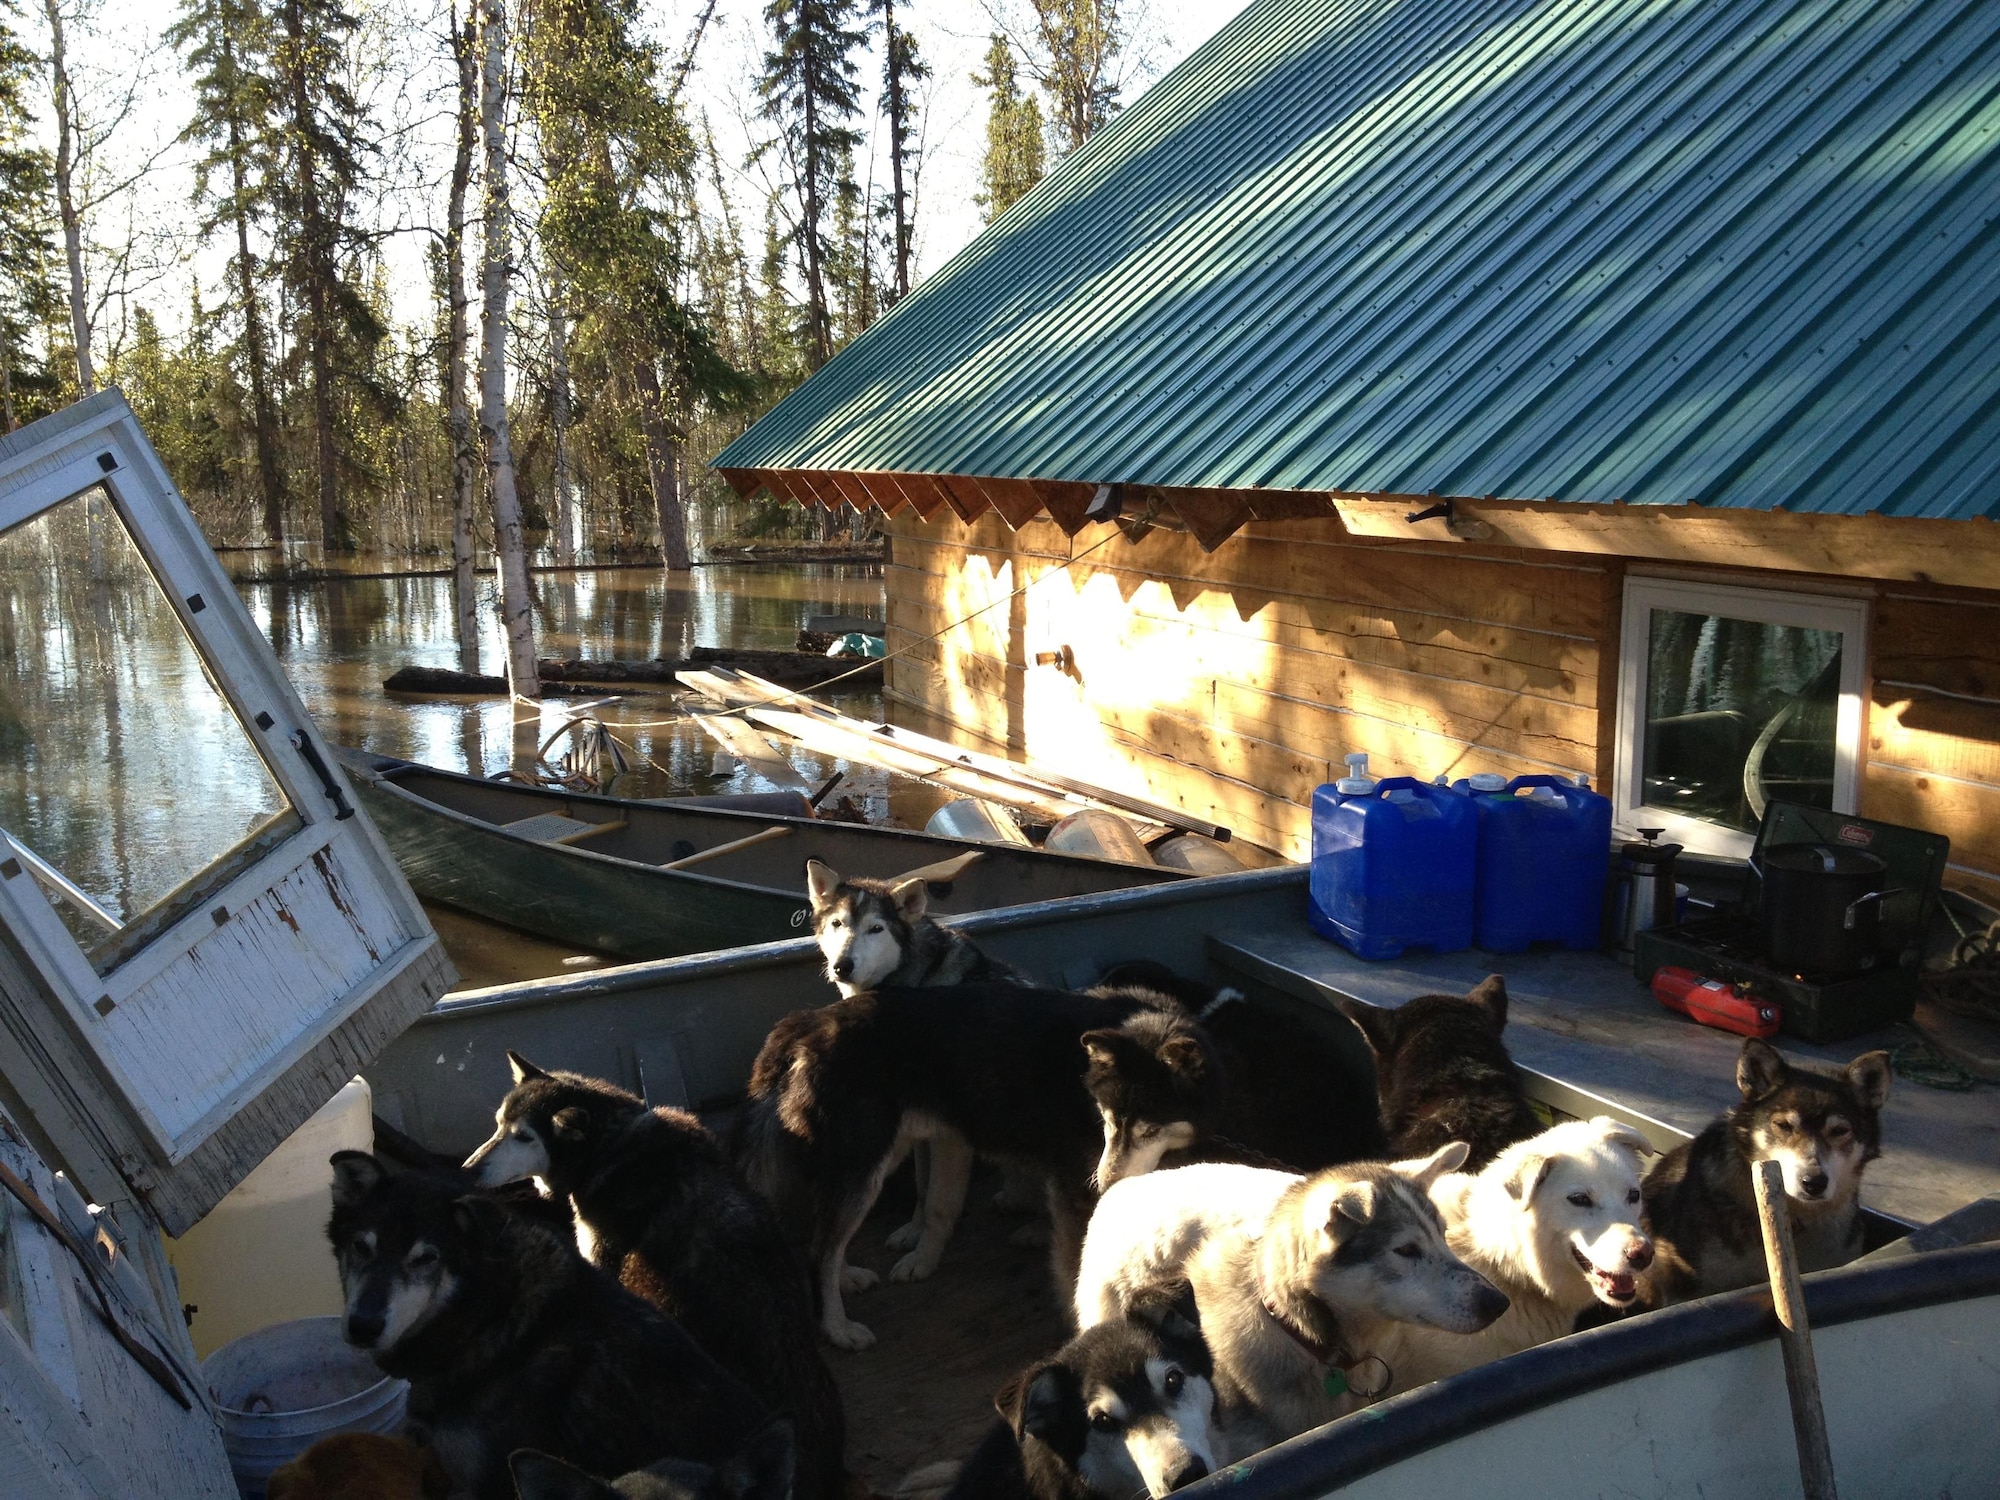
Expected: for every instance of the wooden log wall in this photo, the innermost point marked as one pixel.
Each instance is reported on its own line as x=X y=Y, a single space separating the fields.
x=1231 y=683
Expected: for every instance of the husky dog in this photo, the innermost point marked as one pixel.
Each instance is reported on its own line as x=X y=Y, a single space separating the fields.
x=1211 y=1065
x=840 y=1094
x=1124 y=1409
x=509 y=1338
x=1296 y=1306
x=1822 y=1129
x=1443 y=1073
x=1553 y=1221
x=877 y=932
x=659 y=1206
x=762 y=1471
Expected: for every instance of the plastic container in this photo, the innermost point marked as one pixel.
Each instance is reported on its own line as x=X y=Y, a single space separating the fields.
x=1099 y=834
x=1392 y=866
x=976 y=821
x=1200 y=856
x=281 y=1389
x=260 y=1255
x=1544 y=853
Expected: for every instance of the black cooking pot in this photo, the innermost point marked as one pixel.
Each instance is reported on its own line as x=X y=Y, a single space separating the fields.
x=1822 y=907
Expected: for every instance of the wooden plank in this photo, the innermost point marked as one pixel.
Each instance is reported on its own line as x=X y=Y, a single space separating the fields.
x=1965 y=553
x=1946 y=642
x=1918 y=731
x=1966 y=813
x=752 y=749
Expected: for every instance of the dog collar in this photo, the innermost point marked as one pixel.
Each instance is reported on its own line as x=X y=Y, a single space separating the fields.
x=1338 y=1366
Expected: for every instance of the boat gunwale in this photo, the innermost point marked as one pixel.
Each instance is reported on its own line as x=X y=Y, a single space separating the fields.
x=1405 y=1426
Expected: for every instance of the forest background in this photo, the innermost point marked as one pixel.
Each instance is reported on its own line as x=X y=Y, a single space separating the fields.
x=416 y=276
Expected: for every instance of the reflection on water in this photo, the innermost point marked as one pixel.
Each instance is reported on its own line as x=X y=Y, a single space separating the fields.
x=339 y=640
x=121 y=764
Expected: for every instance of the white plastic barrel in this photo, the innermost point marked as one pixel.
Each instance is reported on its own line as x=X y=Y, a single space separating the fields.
x=1099 y=834
x=976 y=821
x=1202 y=856
x=281 y=1389
x=260 y=1256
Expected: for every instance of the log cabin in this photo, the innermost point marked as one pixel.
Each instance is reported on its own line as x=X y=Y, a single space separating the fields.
x=1521 y=387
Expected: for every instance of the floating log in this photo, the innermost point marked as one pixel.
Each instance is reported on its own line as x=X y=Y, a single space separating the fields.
x=788 y=668
x=798 y=552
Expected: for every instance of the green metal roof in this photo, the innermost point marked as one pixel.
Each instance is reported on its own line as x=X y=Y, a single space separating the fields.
x=1738 y=253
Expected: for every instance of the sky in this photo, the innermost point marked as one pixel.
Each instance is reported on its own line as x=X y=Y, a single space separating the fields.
x=126 y=78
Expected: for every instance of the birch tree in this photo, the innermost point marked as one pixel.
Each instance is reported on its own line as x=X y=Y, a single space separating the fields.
x=458 y=414
x=64 y=101
x=509 y=544
x=1081 y=41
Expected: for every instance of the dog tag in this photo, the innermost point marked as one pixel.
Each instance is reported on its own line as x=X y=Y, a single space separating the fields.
x=1335 y=1383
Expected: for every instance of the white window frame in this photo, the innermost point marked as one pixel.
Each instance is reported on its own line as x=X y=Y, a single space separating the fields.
x=1765 y=606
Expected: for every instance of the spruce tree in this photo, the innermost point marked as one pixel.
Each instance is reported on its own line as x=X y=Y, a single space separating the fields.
x=903 y=70
x=325 y=149
x=809 y=91
x=1014 y=157
x=26 y=298
x=227 y=45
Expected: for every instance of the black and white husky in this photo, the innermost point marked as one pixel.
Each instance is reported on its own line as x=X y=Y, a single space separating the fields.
x=839 y=1095
x=1124 y=1409
x=1823 y=1129
x=1300 y=1281
x=878 y=932
x=510 y=1339
x=660 y=1206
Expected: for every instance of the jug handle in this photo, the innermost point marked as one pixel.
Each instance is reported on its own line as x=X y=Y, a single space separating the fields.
x=1542 y=779
x=1847 y=917
x=1397 y=783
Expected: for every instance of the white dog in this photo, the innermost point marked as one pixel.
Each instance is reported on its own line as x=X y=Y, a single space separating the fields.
x=1554 y=1222
x=1299 y=1280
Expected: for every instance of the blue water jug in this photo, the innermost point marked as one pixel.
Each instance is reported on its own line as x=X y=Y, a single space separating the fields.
x=1392 y=866
x=1544 y=851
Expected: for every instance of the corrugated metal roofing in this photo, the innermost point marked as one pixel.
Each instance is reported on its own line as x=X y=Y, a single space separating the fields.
x=1740 y=253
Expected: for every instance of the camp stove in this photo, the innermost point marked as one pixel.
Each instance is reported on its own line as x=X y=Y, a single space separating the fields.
x=1818 y=1007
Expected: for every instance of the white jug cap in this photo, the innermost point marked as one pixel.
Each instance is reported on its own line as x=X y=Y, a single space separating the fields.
x=1487 y=781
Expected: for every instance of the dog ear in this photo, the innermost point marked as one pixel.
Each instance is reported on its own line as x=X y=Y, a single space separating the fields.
x=1617 y=1133
x=571 y=1124
x=1102 y=1047
x=1529 y=1172
x=1869 y=1073
x=478 y=1216
x=356 y=1174
x=763 y=1468
x=1447 y=1158
x=1046 y=1403
x=1491 y=995
x=1168 y=1308
x=1376 y=1023
x=1184 y=1055
x=822 y=880
x=537 y=1476
x=521 y=1068
x=1759 y=1069
x=912 y=898
x=1355 y=1202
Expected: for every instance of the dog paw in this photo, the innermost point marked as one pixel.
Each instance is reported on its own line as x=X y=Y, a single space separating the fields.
x=857 y=1279
x=916 y=1266
x=845 y=1333
x=905 y=1236
x=1031 y=1236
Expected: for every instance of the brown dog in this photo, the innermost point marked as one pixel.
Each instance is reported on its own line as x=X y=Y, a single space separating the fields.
x=361 y=1466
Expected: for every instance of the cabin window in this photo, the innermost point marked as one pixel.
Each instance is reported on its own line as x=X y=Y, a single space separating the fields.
x=128 y=785
x=1730 y=697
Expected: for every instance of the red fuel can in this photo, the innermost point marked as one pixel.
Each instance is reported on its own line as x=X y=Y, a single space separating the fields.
x=1714 y=1003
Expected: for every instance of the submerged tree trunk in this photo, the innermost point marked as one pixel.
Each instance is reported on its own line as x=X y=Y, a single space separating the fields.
x=458 y=413
x=663 y=466
x=559 y=421
x=72 y=222
x=509 y=545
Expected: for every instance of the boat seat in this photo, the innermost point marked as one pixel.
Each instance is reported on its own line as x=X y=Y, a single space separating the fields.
x=560 y=828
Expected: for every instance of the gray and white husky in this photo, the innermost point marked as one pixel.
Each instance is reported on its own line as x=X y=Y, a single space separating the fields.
x=1300 y=1281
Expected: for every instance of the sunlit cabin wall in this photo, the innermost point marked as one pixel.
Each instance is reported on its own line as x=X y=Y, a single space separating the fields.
x=1933 y=753
x=1231 y=683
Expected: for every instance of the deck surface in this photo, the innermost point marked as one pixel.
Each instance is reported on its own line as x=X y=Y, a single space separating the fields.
x=1583 y=1018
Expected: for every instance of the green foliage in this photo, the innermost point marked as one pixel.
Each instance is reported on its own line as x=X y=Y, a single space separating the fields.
x=1014 y=159
x=1080 y=42
x=27 y=293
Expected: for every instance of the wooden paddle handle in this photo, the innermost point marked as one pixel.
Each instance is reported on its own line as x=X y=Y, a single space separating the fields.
x=1794 y=1336
x=702 y=856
